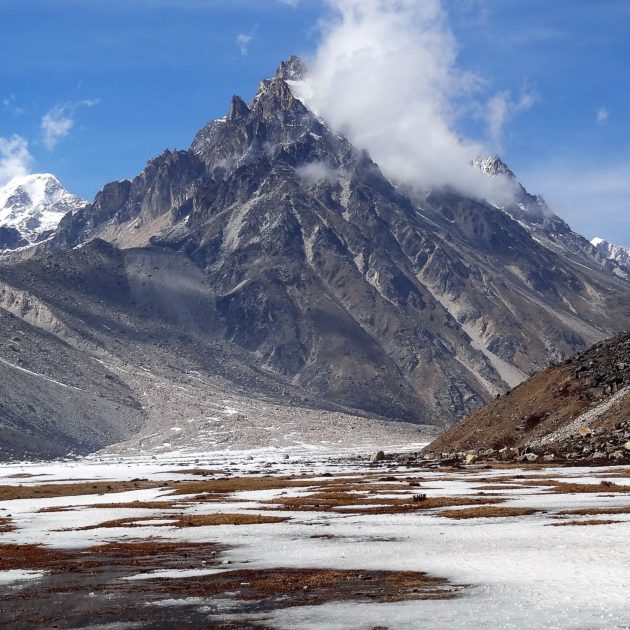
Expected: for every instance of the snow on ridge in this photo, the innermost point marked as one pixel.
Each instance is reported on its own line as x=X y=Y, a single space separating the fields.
x=35 y=204
x=612 y=251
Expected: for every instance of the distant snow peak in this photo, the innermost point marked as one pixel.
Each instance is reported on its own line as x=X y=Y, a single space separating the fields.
x=32 y=205
x=612 y=251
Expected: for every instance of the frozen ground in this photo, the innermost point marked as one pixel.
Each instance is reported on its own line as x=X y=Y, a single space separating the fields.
x=326 y=511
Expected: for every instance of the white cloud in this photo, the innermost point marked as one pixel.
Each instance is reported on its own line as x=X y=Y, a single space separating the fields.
x=602 y=115
x=242 y=41
x=385 y=75
x=290 y=3
x=57 y=123
x=15 y=159
x=501 y=107
x=315 y=172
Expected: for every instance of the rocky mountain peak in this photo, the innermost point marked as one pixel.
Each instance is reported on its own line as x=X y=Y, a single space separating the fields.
x=31 y=207
x=611 y=251
x=238 y=109
x=292 y=69
x=493 y=165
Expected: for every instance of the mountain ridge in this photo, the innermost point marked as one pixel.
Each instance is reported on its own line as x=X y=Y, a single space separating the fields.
x=314 y=270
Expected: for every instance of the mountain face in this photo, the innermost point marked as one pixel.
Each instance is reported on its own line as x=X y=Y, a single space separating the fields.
x=610 y=251
x=534 y=214
x=273 y=260
x=31 y=207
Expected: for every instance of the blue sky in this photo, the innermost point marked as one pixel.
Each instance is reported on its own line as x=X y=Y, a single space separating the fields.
x=98 y=87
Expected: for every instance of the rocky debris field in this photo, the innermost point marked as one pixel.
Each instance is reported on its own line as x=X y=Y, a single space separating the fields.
x=585 y=446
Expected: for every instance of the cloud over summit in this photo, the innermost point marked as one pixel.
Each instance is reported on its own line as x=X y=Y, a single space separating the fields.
x=385 y=74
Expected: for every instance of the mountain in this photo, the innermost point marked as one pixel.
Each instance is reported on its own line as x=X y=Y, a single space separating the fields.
x=272 y=261
x=533 y=213
x=576 y=411
x=31 y=207
x=610 y=251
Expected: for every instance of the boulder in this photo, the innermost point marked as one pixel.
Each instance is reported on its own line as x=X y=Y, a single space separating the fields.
x=377 y=456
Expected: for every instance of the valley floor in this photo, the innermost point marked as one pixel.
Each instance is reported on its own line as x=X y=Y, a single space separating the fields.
x=311 y=538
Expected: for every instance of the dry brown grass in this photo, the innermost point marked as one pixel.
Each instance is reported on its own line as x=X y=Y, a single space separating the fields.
x=126 y=523
x=6 y=524
x=185 y=521
x=369 y=504
x=135 y=505
x=138 y=555
x=593 y=521
x=587 y=488
x=498 y=486
x=282 y=588
x=238 y=484
x=48 y=490
x=487 y=511
x=138 y=505
x=204 y=520
x=595 y=511
x=618 y=474
x=202 y=472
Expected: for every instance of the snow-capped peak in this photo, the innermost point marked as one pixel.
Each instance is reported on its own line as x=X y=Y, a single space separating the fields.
x=610 y=250
x=493 y=165
x=32 y=205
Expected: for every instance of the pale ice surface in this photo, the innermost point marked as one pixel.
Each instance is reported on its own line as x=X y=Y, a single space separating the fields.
x=518 y=572
x=18 y=575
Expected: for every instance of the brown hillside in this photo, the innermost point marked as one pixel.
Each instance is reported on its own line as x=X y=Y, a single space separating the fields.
x=577 y=410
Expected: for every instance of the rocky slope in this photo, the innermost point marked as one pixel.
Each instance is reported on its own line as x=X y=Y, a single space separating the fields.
x=533 y=213
x=578 y=410
x=100 y=345
x=304 y=275
x=31 y=208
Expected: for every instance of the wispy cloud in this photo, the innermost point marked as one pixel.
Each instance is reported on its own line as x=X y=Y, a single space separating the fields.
x=290 y=3
x=10 y=104
x=386 y=75
x=57 y=122
x=15 y=158
x=501 y=107
x=602 y=115
x=242 y=41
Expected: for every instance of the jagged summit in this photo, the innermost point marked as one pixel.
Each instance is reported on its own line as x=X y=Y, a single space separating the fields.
x=238 y=109
x=293 y=69
x=31 y=207
x=493 y=165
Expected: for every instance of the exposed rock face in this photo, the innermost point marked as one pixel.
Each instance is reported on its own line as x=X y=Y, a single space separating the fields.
x=313 y=269
x=575 y=411
x=534 y=214
x=31 y=208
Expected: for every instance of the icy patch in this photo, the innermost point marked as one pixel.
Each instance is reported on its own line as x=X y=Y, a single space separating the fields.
x=18 y=575
x=173 y=574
